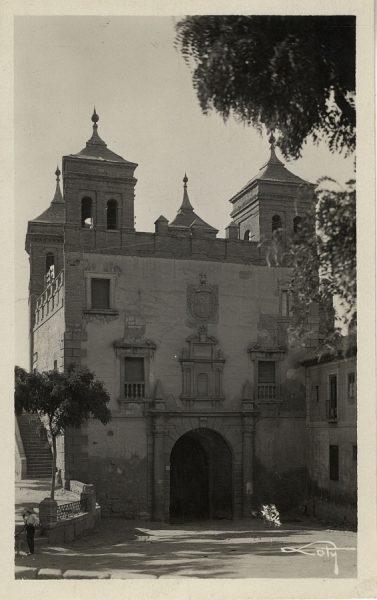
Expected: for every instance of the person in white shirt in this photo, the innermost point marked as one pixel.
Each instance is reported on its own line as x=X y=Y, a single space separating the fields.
x=31 y=522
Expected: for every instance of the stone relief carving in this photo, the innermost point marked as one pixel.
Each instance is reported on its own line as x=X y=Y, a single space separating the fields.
x=202 y=300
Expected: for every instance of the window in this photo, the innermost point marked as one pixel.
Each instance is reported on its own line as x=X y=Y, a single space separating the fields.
x=297 y=224
x=134 y=379
x=50 y=261
x=266 y=380
x=351 y=385
x=100 y=293
x=202 y=366
x=247 y=235
x=334 y=463
x=55 y=365
x=276 y=223
x=50 y=268
x=286 y=303
x=333 y=398
x=112 y=214
x=86 y=213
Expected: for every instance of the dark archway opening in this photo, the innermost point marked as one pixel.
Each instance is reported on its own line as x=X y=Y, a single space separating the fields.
x=200 y=477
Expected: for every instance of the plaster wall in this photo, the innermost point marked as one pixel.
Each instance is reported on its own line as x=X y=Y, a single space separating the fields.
x=342 y=433
x=48 y=342
x=150 y=297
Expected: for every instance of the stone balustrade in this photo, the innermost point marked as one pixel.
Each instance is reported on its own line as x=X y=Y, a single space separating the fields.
x=50 y=300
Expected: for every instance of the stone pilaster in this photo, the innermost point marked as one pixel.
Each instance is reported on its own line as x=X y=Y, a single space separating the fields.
x=159 y=434
x=48 y=512
x=248 y=431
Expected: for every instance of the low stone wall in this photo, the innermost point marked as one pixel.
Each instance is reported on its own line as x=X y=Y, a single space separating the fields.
x=73 y=526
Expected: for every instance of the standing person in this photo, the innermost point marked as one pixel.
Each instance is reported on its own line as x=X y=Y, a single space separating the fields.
x=31 y=522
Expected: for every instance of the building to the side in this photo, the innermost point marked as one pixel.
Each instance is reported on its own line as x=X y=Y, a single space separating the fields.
x=188 y=332
x=331 y=396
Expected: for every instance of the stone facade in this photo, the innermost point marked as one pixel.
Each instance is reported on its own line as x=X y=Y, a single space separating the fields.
x=187 y=331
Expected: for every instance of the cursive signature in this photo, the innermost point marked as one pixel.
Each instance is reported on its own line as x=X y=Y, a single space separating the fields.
x=321 y=548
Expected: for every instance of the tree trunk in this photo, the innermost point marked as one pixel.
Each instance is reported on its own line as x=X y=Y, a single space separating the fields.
x=53 y=474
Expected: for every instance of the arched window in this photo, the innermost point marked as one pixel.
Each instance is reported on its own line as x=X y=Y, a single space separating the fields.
x=50 y=261
x=247 y=235
x=86 y=213
x=276 y=223
x=297 y=222
x=111 y=214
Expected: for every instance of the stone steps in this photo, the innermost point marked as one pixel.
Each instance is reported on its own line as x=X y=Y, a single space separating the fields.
x=36 y=446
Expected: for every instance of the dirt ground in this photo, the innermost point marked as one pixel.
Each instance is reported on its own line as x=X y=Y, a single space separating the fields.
x=206 y=549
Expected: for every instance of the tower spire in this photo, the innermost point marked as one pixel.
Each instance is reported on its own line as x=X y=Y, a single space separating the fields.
x=186 y=205
x=58 y=194
x=95 y=139
x=273 y=158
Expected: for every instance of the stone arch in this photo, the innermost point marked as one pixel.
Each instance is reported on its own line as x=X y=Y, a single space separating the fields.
x=177 y=430
x=201 y=475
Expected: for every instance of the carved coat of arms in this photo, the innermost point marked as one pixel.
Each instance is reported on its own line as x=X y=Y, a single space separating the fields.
x=202 y=300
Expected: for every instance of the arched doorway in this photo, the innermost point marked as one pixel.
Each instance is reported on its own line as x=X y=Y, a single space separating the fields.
x=201 y=477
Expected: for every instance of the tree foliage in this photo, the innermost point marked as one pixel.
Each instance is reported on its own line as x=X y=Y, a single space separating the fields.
x=292 y=74
x=61 y=400
x=324 y=260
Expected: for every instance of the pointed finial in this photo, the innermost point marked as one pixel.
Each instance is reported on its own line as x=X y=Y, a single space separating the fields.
x=95 y=117
x=272 y=139
x=95 y=139
x=58 y=194
x=185 y=202
x=273 y=158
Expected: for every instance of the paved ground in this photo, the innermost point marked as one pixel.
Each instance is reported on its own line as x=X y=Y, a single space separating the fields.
x=29 y=492
x=216 y=549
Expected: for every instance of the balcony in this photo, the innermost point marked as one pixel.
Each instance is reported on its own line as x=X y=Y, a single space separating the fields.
x=267 y=391
x=134 y=390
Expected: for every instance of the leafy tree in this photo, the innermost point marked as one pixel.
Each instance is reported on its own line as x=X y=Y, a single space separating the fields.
x=61 y=400
x=324 y=260
x=293 y=74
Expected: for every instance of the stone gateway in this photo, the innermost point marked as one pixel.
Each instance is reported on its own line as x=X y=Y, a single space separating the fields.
x=187 y=330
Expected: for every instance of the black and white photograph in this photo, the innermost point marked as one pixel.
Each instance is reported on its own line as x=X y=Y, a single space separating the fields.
x=190 y=398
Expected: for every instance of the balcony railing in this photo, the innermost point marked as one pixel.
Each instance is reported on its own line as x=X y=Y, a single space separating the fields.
x=266 y=391
x=134 y=390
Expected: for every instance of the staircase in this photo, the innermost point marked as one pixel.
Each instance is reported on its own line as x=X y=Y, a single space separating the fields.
x=36 y=446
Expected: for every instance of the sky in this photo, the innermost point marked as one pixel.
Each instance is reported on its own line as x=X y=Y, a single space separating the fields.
x=129 y=69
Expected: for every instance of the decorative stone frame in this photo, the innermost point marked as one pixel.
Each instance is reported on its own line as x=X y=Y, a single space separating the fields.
x=134 y=348
x=202 y=356
x=88 y=292
x=275 y=355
